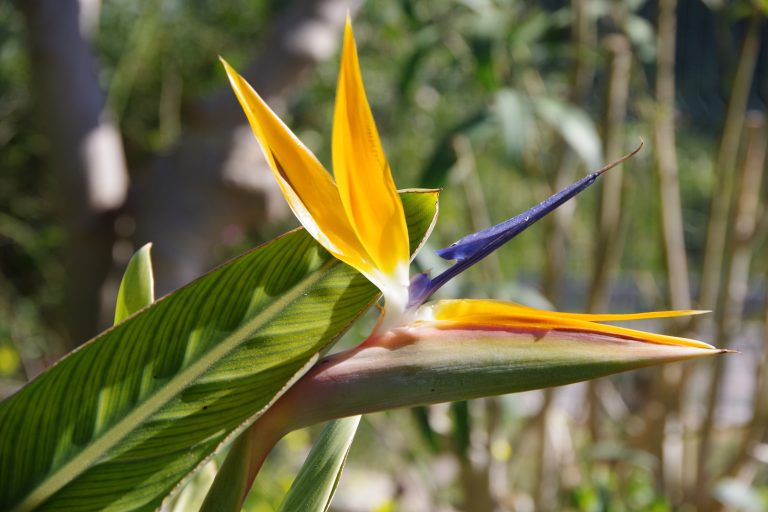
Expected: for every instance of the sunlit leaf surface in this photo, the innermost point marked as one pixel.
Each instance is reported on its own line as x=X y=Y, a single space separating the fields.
x=119 y=422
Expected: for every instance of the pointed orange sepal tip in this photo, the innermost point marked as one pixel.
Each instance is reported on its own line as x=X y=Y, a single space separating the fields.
x=491 y=314
x=366 y=187
x=615 y=317
x=307 y=186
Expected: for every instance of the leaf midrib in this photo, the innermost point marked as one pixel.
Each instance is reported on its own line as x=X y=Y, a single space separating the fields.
x=96 y=449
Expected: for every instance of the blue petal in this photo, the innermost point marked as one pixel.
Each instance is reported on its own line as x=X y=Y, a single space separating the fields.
x=472 y=248
x=490 y=239
x=418 y=291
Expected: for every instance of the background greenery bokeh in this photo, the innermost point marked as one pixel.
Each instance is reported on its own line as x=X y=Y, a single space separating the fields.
x=479 y=98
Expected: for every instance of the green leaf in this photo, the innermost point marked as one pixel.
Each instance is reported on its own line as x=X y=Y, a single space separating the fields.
x=429 y=437
x=316 y=483
x=443 y=157
x=515 y=115
x=120 y=421
x=462 y=428
x=575 y=126
x=137 y=288
x=739 y=495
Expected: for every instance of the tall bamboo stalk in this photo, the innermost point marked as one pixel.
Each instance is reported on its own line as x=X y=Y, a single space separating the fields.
x=474 y=463
x=757 y=430
x=747 y=227
x=584 y=38
x=610 y=216
x=718 y=248
x=726 y=163
x=465 y=172
x=663 y=402
x=665 y=153
x=736 y=283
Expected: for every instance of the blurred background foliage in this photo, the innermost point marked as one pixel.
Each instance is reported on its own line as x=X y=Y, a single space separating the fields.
x=499 y=102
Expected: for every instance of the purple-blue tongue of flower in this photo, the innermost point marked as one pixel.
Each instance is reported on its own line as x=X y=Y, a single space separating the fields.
x=472 y=248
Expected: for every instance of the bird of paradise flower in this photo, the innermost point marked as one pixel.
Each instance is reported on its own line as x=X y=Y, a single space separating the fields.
x=422 y=352
x=359 y=219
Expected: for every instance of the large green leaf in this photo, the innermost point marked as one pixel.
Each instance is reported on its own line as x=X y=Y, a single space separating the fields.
x=119 y=422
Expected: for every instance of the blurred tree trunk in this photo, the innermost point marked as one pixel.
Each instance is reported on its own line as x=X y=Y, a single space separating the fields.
x=86 y=152
x=214 y=182
x=211 y=185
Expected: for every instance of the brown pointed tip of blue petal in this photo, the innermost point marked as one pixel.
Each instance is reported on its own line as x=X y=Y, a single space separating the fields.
x=621 y=160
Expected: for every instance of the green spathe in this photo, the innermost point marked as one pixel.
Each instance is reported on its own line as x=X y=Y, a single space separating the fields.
x=424 y=365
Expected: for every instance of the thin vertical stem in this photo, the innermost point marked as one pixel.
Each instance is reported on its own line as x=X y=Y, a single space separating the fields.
x=584 y=37
x=666 y=159
x=729 y=317
x=235 y=477
x=545 y=490
x=716 y=249
x=757 y=430
x=466 y=172
x=607 y=248
x=725 y=165
x=758 y=426
x=665 y=153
